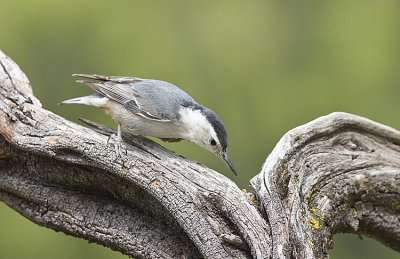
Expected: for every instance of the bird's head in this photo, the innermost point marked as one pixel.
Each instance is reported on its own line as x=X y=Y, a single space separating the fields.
x=207 y=130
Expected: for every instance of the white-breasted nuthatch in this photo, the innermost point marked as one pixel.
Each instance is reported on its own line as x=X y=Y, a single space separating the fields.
x=156 y=108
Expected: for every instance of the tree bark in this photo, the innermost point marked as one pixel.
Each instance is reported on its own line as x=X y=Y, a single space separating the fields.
x=339 y=173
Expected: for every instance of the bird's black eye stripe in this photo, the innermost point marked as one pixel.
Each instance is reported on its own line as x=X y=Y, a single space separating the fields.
x=213 y=142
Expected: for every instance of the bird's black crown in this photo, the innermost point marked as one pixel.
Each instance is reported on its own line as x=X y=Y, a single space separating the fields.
x=218 y=126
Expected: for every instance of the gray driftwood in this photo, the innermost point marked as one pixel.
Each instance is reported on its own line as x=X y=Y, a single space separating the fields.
x=339 y=173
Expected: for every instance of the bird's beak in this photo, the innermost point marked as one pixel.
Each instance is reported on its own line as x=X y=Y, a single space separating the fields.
x=225 y=157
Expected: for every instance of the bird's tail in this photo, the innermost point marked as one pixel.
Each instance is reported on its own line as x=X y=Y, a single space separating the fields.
x=96 y=100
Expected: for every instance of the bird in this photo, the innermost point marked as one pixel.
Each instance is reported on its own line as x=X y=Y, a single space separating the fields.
x=150 y=107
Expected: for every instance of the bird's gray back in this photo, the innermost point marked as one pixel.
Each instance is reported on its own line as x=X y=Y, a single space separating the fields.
x=161 y=99
x=151 y=99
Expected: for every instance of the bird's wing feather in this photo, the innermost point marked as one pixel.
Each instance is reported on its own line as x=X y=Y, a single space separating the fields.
x=151 y=99
x=115 y=79
x=161 y=99
x=117 y=92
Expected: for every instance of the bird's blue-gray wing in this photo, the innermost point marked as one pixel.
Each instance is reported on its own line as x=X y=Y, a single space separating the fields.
x=151 y=99
x=161 y=99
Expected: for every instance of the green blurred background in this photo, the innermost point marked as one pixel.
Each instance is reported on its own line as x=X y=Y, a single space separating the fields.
x=264 y=66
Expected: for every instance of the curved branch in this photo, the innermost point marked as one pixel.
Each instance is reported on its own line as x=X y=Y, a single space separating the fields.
x=338 y=173
x=150 y=203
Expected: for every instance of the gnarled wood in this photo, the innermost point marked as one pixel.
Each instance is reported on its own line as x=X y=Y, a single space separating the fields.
x=150 y=203
x=339 y=173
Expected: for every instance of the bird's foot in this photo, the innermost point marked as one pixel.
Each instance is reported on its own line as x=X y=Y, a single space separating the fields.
x=118 y=145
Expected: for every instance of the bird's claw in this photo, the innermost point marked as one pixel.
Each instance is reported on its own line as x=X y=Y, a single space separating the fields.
x=118 y=145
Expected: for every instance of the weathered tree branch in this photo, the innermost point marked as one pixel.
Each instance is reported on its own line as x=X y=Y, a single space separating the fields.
x=151 y=203
x=339 y=173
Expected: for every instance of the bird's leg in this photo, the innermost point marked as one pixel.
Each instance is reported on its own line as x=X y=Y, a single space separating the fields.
x=117 y=141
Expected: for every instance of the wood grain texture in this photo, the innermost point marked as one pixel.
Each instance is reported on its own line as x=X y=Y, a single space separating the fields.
x=339 y=173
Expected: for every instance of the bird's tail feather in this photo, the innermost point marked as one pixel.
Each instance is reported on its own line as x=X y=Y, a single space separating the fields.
x=91 y=100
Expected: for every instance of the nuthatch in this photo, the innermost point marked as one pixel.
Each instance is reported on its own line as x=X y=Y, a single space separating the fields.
x=156 y=108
